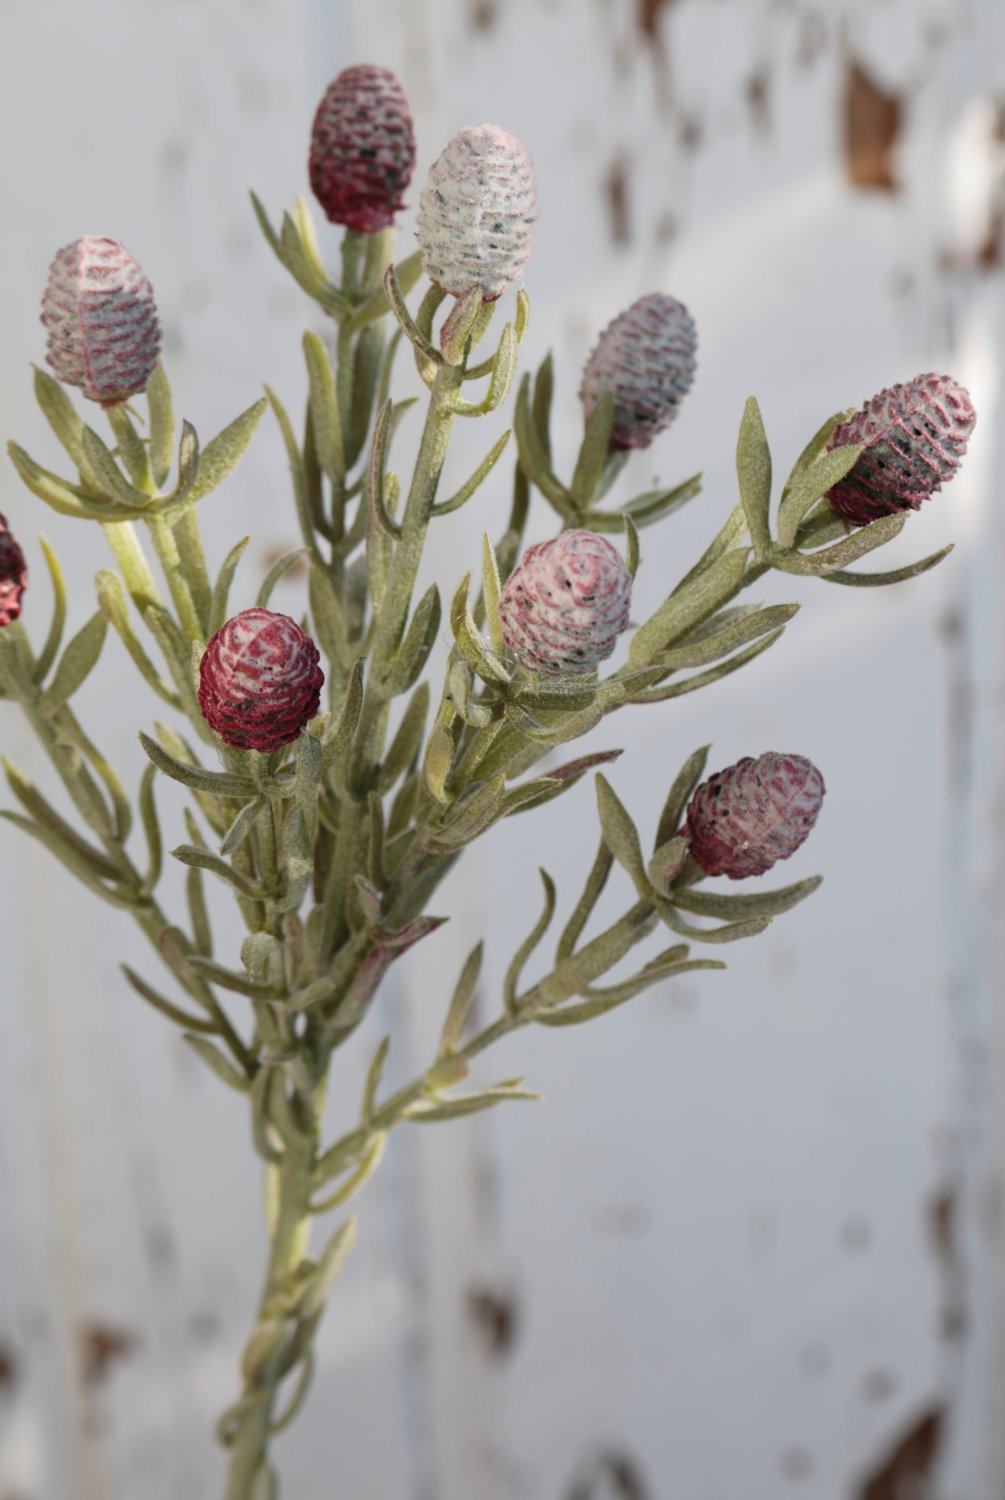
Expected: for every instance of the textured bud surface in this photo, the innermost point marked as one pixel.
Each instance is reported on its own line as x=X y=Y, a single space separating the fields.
x=362 y=148
x=476 y=210
x=13 y=575
x=646 y=357
x=565 y=604
x=259 y=680
x=914 y=437
x=102 y=320
x=741 y=820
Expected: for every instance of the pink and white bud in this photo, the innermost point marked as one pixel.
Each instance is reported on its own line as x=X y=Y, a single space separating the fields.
x=914 y=437
x=362 y=148
x=475 y=212
x=646 y=358
x=565 y=604
x=742 y=820
x=13 y=575
x=259 y=680
x=99 y=309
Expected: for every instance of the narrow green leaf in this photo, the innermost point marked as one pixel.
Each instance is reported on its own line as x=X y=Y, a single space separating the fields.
x=472 y=484
x=174 y=1013
x=55 y=636
x=333 y=1257
x=75 y=664
x=681 y=612
x=115 y=486
x=518 y=963
x=761 y=904
x=151 y=830
x=465 y=1104
x=898 y=575
x=279 y=568
x=534 y=458
x=595 y=882
x=437 y=763
x=69 y=855
x=593 y=451
x=461 y=1001
x=242 y=825
x=62 y=832
x=571 y=976
x=704 y=679
x=407 y=741
x=829 y=559
x=376 y=500
x=733 y=933
x=224 y=452
x=631 y=546
x=815 y=447
x=65 y=498
x=61 y=415
x=221 y=783
x=621 y=835
x=396 y=302
x=813 y=481
x=338 y=735
x=611 y=998
x=667 y=863
x=753 y=470
x=475 y=651
x=329 y=621
x=221 y=591
x=204 y=859
x=161 y=410
x=679 y=796
x=474 y=815
x=420 y=638
x=714 y=644
x=324 y=409
x=215 y=1060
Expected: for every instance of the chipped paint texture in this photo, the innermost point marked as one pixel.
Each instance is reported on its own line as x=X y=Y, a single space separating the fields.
x=715 y=1228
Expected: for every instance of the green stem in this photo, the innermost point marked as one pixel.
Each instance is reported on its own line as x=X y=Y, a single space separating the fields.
x=248 y=1437
x=135 y=569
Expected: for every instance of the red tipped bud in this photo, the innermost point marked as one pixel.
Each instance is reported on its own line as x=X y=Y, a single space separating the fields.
x=646 y=357
x=742 y=820
x=475 y=212
x=362 y=148
x=913 y=438
x=565 y=604
x=259 y=680
x=101 y=316
x=13 y=576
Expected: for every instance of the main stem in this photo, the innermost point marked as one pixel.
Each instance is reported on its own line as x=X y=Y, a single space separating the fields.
x=250 y=1474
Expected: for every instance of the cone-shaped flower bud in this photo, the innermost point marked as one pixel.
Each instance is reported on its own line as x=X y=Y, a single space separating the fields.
x=565 y=604
x=259 y=680
x=476 y=210
x=646 y=357
x=914 y=437
x=362 y=148
x=101 y=316
x=741 y=820
x=13 y=576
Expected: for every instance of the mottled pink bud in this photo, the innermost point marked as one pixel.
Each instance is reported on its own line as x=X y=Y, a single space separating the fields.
x=102 y=320
x=741 y=820
x=475 y=212
x=565 y=604
x=259 y=680
x=13 y=575
x=362 y=148
x=646 y=357
x=914 y=437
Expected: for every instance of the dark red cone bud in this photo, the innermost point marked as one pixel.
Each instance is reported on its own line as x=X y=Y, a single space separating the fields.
x=99 y=309
x=914 y=437
x=646 y=357
x=362 y=148
x=741 y=820
x=259 y=680
x=565 y=604
x=13 y=576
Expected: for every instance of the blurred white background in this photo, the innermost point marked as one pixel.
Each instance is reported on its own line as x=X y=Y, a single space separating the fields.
x=750 y=1244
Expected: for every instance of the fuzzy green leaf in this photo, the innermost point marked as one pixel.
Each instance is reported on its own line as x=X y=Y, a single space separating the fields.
x=324 y=409
x=221 y=591
x=479 y=656
x=667 y=863
x=224 y=452
x=829 y=559
x=761 y=904
x=621 y=835
x=161 y=409
x=215 y=1060
x=708 y=645
x=221 y=783
x=897 y=575
x=55 y=636
x=420 y=638
x=534 y=458
x=279 y=568
x=753 y=469
x=812 y=482
x=472 y=484
x=75 y=664
x=511 y=982
x=461 y=1001
x=679 y=795
x=593 y=451
x=682 y=611
x=329 y=621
